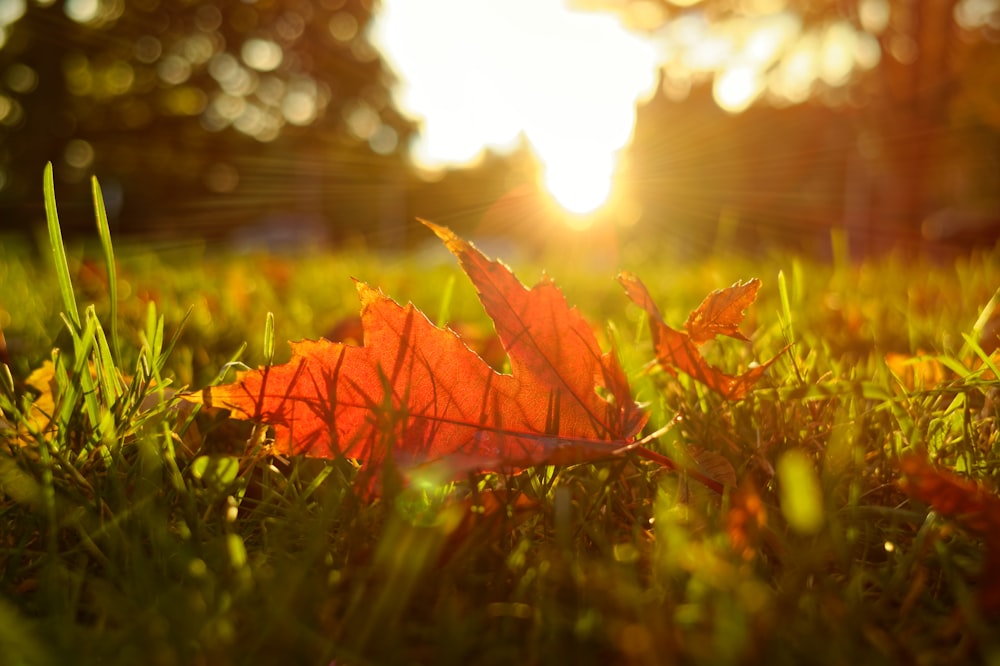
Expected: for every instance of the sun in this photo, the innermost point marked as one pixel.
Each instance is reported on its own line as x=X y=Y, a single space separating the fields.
x=483 y=75
x=579 y=188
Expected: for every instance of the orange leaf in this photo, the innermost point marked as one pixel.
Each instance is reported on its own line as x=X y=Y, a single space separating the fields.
x=720 y=313
x=416 y=392
x=922 y=372
x=916 y=372
x=970 y=504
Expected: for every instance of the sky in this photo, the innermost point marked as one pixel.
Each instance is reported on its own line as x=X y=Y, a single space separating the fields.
x=481 y=75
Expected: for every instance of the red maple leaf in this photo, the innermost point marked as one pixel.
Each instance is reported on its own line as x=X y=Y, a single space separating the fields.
x=415 y=392
x=719 y=314
x=970 y=504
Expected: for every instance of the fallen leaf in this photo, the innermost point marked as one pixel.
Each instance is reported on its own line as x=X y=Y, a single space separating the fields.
x=485 y=343
x=37 y=421
x=971 y=505
x=923 y=372
x=417 y=394
x=916 y=372
x=719 y=314
x=43 y=380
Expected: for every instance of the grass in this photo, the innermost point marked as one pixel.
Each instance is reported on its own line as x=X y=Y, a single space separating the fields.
x=135 y=531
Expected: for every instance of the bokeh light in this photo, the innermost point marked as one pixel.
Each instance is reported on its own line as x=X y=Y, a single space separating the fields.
x=262 y=54
x=973 y=14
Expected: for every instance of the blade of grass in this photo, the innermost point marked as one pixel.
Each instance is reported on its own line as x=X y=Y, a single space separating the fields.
x=786 y=308
x=269 y=339
x=81 y=381
x=6 y=381
x=153 y=341
x=977 y=328
x=233 y=364
x=59 y=250
x=107 y=375
x=786 y=321
x=104 y=231
x=972 y=342
x=165 y=354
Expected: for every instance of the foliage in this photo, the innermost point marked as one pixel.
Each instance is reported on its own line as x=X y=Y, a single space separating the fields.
x=913 y=89
x=135 y=530
x=415 y=394
x=719 y=314
x=191 y=95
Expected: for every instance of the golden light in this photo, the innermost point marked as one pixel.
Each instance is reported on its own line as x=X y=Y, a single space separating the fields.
x=736 y=88
x=580 y=186
x=839 y=44
x=794 y=76
x=481 y=75
x=485 y=75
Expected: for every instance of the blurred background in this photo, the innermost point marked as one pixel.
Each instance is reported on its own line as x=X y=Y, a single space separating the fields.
x=291 y=124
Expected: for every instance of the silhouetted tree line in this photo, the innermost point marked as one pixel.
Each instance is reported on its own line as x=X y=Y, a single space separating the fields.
x=196 y=117
x=905 y=151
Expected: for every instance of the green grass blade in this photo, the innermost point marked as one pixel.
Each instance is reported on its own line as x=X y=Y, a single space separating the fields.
x=104 y=231
x=786 y=308
x=269 y=339
x=953 y=363
x=233 y=363
x=977 y=328
x=972 y=342
x=107 y=375
x=59 y=250
x=787 y=328
x=6 y=381
x=174 y=338
x=154 y=337
x=66 y=396
x=82 y=375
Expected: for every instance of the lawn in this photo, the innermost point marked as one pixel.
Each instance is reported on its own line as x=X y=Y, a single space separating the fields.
x=137 y=528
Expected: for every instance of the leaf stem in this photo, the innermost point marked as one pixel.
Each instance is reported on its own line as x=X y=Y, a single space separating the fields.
x=666 y=462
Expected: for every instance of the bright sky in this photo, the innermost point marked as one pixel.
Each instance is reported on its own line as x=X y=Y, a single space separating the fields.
x=482 y=74
x=487 y=74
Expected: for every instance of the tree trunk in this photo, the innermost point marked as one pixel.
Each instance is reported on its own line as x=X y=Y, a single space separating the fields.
x=910 y=122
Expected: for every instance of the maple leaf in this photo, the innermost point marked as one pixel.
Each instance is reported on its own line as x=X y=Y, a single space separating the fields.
x=38 y=420
x=416 y=393
x=971 y=505
x=924 y=372
x=916 y=372
x=719 y=314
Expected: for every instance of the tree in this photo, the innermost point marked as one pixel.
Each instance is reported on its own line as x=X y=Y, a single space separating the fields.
x=915 y=81
x=171 y=102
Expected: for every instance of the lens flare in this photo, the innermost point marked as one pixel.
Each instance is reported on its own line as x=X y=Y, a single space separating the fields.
x=580 y=183
x=482 y=75
x=485 y=75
